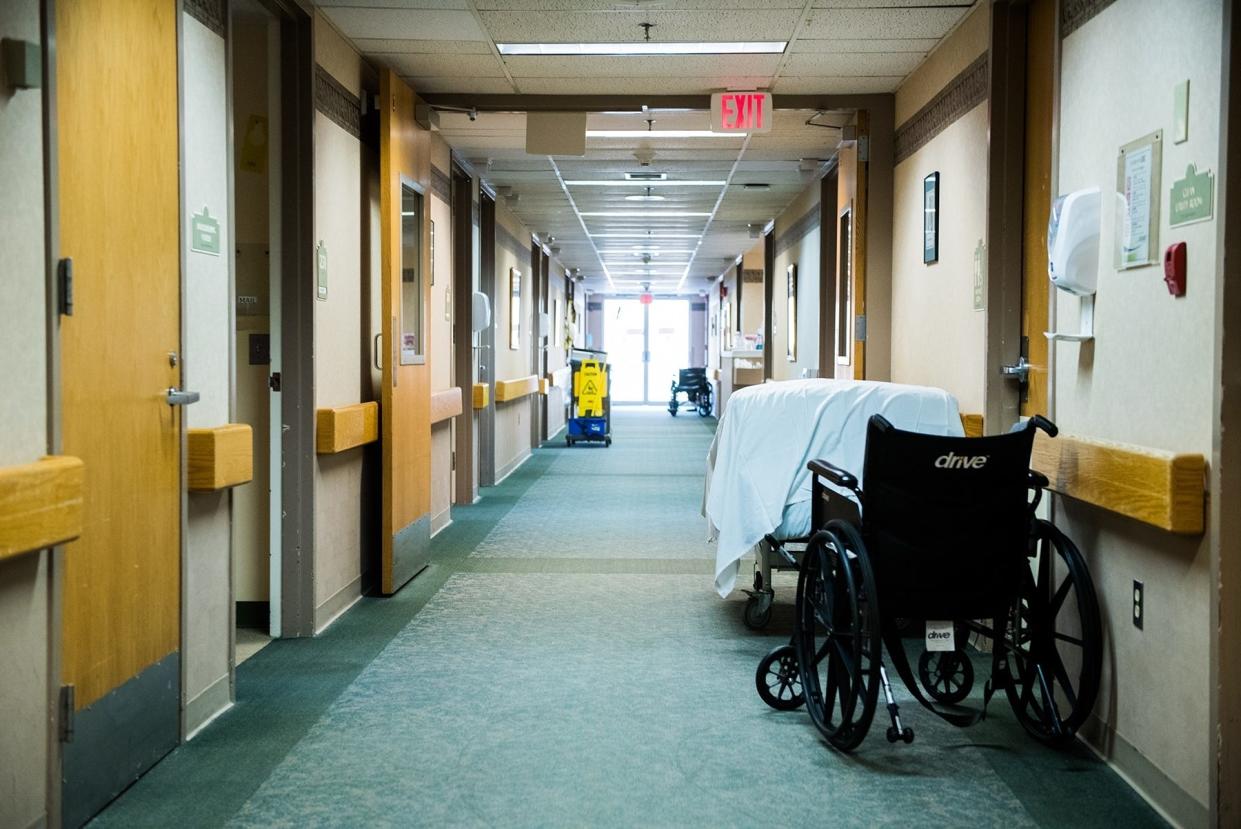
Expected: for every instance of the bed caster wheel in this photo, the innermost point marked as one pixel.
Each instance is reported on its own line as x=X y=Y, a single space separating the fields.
x=779 y=681
x=607 y=442
x=947 y=676
x=672 y=411
x=758 y=611
x=906 y=735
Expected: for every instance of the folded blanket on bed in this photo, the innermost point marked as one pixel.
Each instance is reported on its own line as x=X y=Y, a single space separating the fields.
x=770 y=432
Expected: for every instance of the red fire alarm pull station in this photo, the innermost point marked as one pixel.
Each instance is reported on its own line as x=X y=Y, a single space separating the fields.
x=741 y=112
x=1174 y=268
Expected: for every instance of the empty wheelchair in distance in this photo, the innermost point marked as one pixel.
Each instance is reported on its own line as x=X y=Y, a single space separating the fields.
x=948 y=533
x=693 y=383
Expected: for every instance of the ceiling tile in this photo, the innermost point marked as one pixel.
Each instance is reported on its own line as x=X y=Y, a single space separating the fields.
x=471 y=86
x=836 y=86
x=900 y=4
x=882 y=23
x=405 y=24
x=398 y=4
x=636 y=7
x=430 y=66
x=370 y=45
x=650 y=86
x=921 y=45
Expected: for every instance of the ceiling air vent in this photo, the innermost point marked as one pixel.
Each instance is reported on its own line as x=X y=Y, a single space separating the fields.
x=646 y=176
x=756 y=185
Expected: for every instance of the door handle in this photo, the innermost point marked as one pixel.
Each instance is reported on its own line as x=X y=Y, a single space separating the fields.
x=375 y=351
x=1019 y=370
x=177 y=397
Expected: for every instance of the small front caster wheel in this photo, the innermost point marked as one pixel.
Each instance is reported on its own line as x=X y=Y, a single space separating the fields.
x=757 y=611
x=906 y=736
x=947 y=676
x=778 y=680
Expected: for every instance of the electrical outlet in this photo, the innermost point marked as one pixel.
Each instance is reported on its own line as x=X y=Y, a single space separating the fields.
x=1139 y=603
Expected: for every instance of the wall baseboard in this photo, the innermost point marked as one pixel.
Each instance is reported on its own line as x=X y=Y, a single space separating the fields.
x=1163 y=795
x=440 y=522
x=202 y=710
x=512 y=466
x=337 y=604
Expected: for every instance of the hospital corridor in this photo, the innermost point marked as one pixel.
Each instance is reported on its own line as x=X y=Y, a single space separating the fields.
x=620 y=413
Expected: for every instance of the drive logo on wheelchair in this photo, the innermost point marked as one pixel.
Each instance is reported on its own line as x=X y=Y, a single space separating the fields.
x=954 y=461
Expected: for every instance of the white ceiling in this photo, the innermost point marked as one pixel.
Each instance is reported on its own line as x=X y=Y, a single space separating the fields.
x=835 y=47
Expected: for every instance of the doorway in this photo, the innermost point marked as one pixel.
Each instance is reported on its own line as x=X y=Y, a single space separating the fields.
x=647 y=343
x=256 y=114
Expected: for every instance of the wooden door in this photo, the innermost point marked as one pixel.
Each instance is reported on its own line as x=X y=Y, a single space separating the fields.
x=1035 y=286
x=405 y=237
x=119 y=207
x=851 y=261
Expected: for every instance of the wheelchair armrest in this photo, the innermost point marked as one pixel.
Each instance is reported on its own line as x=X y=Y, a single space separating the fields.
x=834 y=474
x=1038 y=480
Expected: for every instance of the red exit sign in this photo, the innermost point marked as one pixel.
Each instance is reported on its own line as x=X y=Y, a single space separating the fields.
x=741 y=112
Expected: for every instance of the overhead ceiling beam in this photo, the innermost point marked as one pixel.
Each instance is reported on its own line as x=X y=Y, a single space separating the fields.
x=634 y=103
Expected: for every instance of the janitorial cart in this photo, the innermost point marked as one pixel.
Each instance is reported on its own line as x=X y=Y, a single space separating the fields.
x=590 y=408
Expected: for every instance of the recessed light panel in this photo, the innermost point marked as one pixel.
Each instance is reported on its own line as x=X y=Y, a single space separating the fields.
x=646 y=48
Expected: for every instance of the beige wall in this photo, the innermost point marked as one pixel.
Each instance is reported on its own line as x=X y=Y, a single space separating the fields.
x=207 y=592
x=441 y=342
x=1155 y=730
x=512 y=444
x=805 y=254
x=935 y=303
x=339 y=337
x=24 y=581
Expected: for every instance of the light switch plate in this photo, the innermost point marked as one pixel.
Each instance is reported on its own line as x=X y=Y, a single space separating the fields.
x=23 y=63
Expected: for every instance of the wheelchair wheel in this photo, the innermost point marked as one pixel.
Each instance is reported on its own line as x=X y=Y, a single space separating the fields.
x=1054 y=640
x=837 y=635
x=778 y=681
x=947 y=676
x=704 y=405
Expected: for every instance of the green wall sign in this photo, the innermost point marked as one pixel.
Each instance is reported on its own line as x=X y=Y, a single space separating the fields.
x=1193 y=197
x=321 y=268
x=205 y=233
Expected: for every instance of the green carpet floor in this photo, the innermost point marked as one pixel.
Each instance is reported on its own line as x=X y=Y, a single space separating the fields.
x=566 y=662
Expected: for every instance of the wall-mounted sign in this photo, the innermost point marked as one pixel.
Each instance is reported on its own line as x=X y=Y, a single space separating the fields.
x=741 y=112
x=1137 y=181
x=980 y=276
x=205 y=233
x=1192 y=197
x=930 y=219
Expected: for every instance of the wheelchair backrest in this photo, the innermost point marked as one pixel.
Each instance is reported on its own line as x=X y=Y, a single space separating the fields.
x=946 y=520
x=692 y=377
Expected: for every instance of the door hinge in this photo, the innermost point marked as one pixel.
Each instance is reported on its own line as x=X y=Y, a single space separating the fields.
x=863 y=148
x=64 y=278
x=273 y=381
x=66 y=713
x=452 y=463
x=859 y=328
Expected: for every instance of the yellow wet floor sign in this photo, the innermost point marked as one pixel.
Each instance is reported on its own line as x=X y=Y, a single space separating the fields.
x=590 y=386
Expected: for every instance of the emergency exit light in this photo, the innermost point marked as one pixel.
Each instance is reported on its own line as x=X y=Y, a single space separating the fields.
x=646 y=299
x=741 y=112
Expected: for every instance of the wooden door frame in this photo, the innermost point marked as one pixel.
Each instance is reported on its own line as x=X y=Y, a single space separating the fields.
x=1006 y=103
x=487 y=344
x=1225 y=471
x=461 y=207
x=828 y=220
x=769 y=286
x=538 y=264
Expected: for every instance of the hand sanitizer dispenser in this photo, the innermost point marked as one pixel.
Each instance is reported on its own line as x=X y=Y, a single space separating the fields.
x=1073 y=253
x=480 y=311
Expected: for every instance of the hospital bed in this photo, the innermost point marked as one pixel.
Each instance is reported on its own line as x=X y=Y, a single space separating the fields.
x=758 y=484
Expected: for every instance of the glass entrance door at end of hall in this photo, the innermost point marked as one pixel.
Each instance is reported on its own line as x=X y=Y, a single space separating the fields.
x=646 y=345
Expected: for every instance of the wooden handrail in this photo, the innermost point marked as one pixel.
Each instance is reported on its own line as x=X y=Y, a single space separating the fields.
x=40 y=504
x=346 y=427
x=445 y=404
x=219 y=457
x=509 y=390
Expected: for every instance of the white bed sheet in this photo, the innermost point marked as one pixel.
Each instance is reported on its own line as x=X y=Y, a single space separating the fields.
x=756 y=468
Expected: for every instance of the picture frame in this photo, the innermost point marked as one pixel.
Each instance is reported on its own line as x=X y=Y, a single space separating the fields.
x=726 y=326
x=514 y=309
x=1138 y=184
x=930 y=219
x=791 y=313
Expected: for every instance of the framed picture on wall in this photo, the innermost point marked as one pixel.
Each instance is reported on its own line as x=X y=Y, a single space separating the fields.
x=514 y=309
x=930 y=219
x=791 y=314
x=726 y=325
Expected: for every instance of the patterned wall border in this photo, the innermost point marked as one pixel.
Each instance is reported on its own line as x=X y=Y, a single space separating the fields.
x=441 y=184
x=337 y=103
x=1076 y=13
x=964 y=92
x=210 y=13
x=752 y=275
x=798 y=230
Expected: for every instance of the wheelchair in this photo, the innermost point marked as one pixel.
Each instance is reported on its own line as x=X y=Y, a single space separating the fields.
x=948 y=536
x=693 y=383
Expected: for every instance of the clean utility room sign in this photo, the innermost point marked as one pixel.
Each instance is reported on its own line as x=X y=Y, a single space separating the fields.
x=741 y=112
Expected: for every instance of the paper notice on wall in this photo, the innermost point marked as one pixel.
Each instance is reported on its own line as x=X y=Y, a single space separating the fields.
x=1138 y=185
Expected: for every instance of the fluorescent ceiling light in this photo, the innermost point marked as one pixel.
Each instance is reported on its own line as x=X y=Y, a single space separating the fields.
x=647 y=48
x=612 y=183
x=645 y=234
x=645 y=214
x=647 y=197
x=640 y=134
